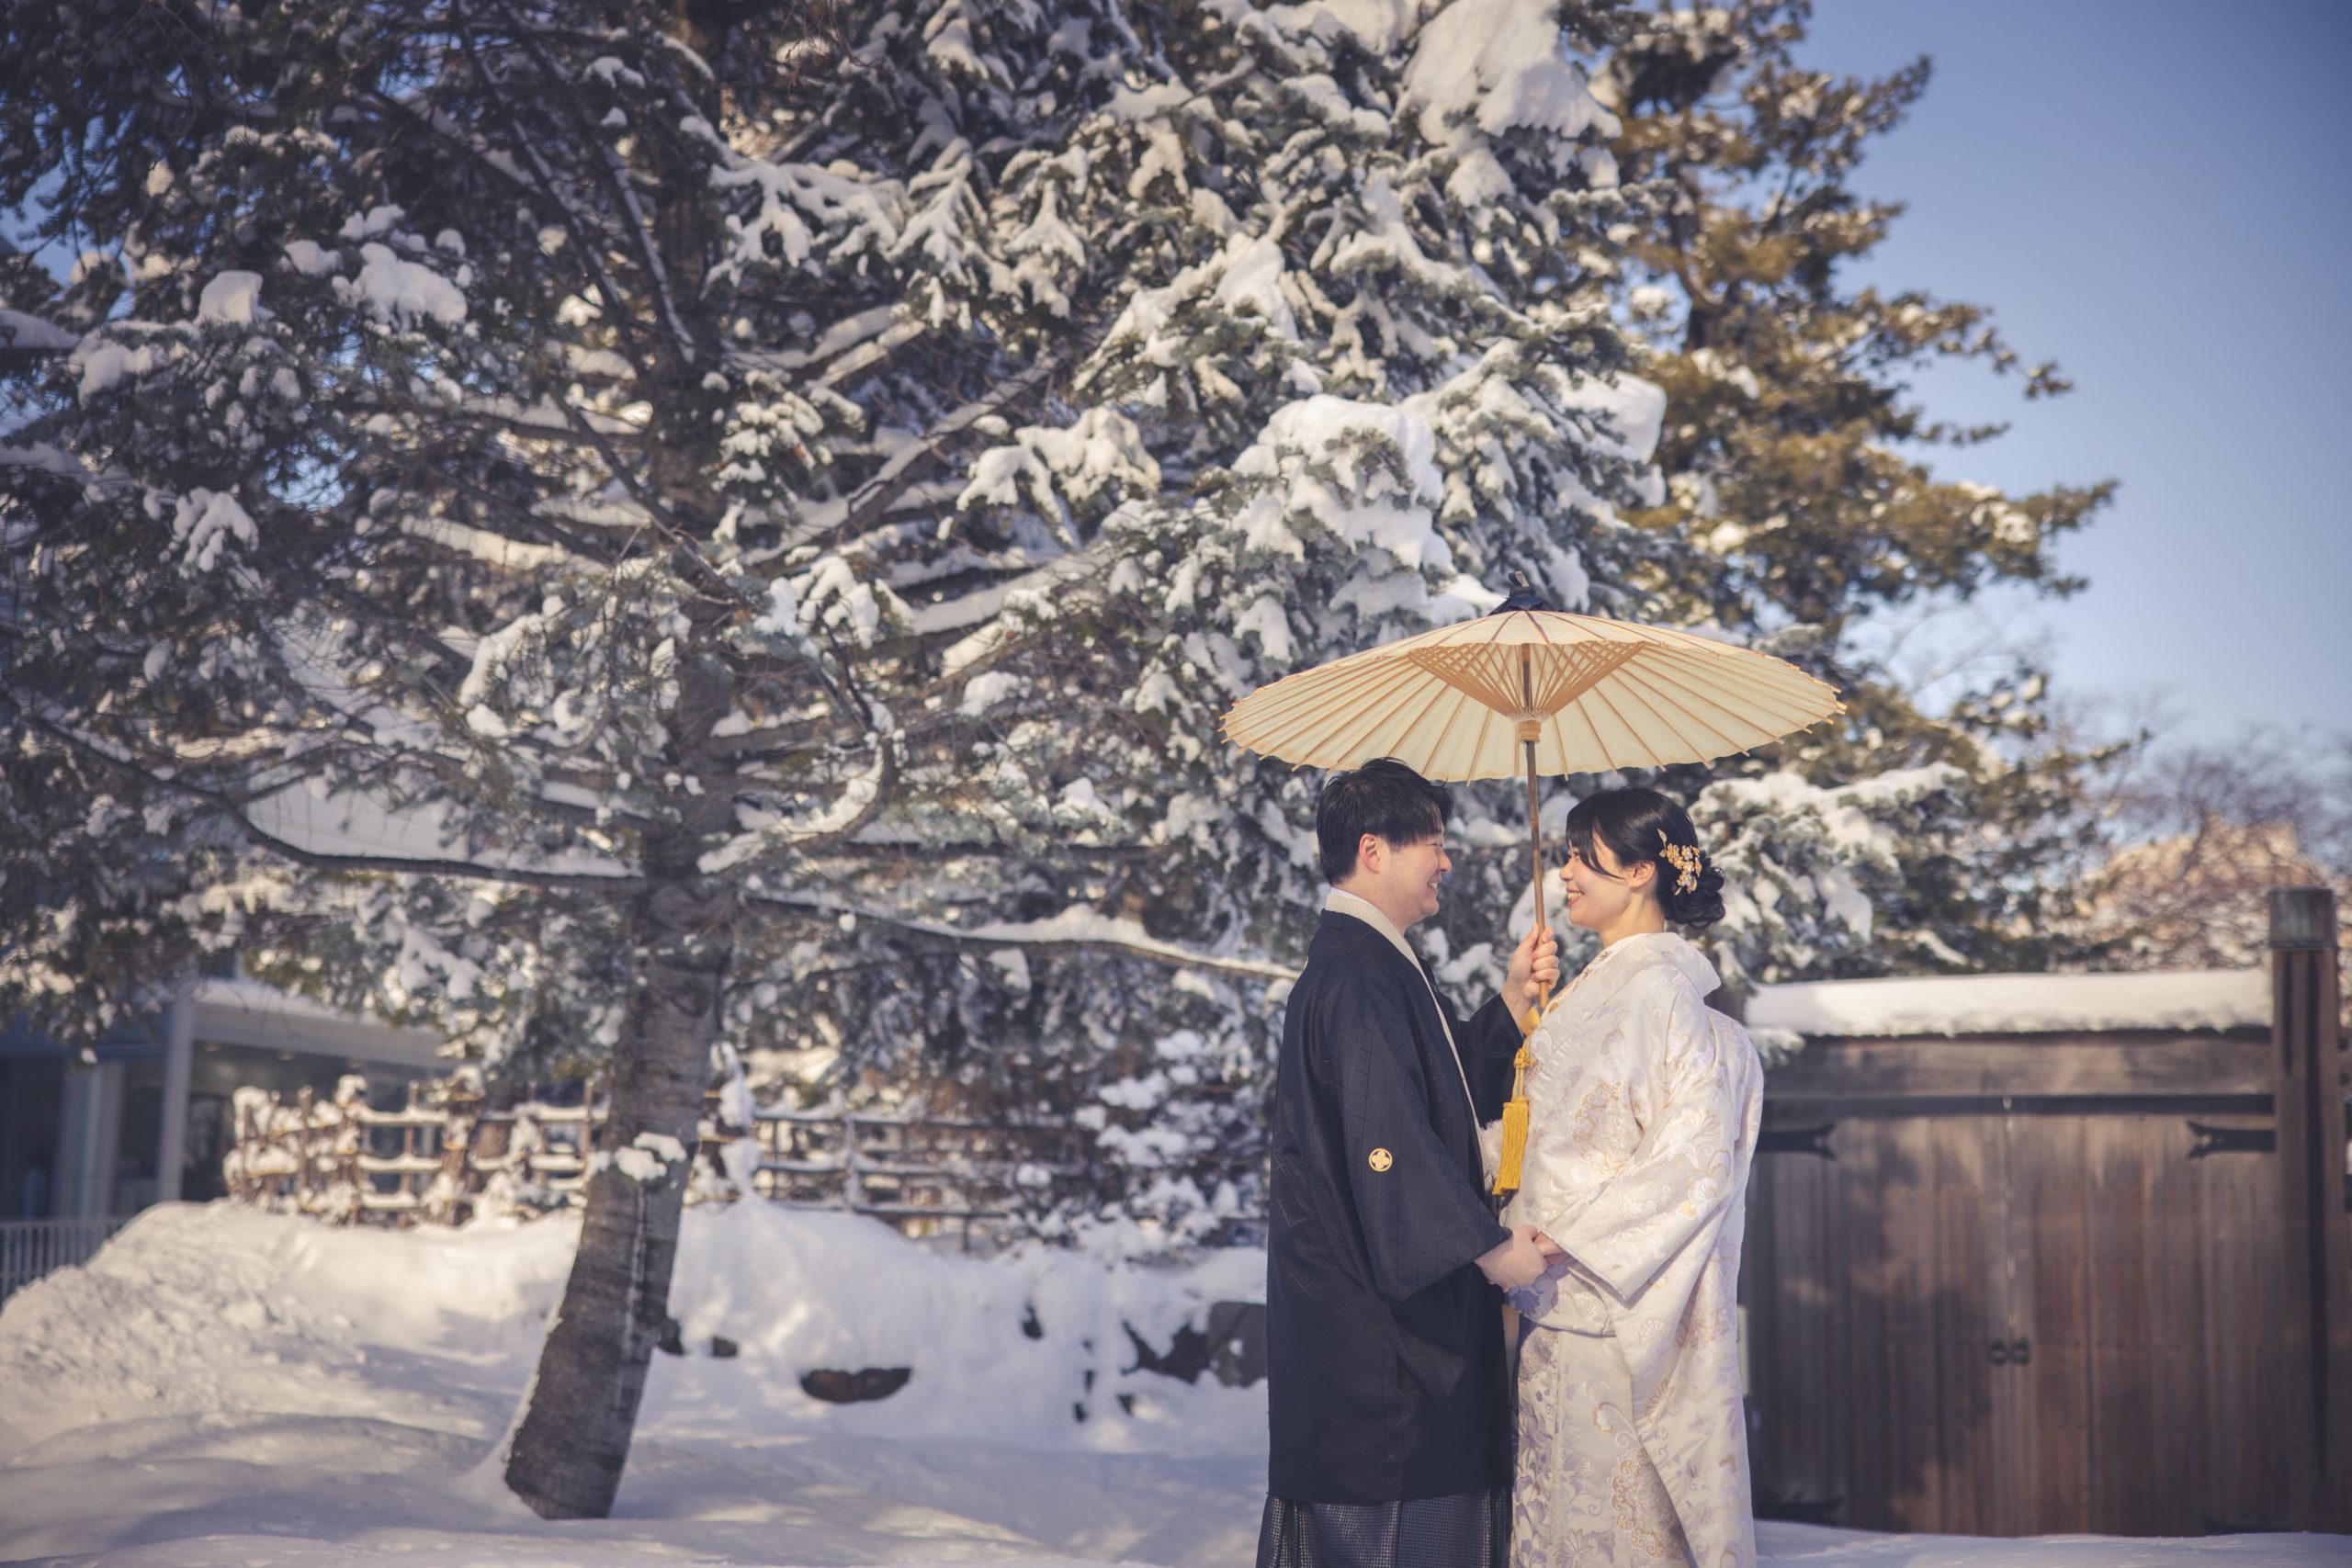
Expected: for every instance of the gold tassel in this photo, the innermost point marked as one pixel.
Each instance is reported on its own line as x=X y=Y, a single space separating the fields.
x=1514 y=1127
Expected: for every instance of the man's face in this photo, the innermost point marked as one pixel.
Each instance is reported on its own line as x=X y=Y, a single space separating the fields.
x=1404 y=878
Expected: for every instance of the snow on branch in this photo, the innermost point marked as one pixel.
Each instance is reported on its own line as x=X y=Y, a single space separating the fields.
x=21 y=333
x=859 y=799
x=237 y=807
x=472 y=870
x=1080 y=927
x=1077 y=928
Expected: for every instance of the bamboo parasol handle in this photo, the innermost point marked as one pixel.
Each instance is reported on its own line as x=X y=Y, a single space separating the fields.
x=1515 y=1117
x=1529 y=727
x=1535 y=857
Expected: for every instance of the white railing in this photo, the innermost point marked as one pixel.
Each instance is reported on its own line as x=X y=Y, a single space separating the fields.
x=30 y=1248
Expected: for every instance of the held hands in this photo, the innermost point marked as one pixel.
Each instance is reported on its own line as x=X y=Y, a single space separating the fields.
x=1517 y=1262
x=1534 y=964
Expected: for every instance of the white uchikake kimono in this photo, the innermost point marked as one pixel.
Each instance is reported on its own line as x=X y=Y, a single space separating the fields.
x=1643 y=1105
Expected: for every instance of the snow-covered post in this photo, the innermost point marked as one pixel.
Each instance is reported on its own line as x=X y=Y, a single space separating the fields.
x=2311 y=1075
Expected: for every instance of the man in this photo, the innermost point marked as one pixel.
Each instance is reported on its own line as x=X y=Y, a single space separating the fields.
x=1387 y=1386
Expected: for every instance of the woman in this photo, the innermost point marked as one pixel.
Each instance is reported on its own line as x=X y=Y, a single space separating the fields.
x=1643 y=1114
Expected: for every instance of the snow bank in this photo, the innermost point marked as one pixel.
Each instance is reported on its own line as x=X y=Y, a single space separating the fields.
x=226 y=1389
x=800 y=1291
x=209 y=1311
x=2015 y=1004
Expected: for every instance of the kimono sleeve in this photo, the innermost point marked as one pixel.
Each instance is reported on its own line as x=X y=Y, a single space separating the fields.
x=1489 y=1042
x=1422 y=1215
x=1679 y=1183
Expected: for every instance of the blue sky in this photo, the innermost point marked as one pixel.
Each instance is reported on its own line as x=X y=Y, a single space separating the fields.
x=2158 y=195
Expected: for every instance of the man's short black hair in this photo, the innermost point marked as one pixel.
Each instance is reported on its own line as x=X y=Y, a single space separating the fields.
x=1384 y=798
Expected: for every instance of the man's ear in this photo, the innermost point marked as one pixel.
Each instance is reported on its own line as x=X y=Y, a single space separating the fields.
x=1372 y=853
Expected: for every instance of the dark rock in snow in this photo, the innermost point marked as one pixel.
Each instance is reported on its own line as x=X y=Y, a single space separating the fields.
x=1233 y=1347
x=1186 y=1358
x=854 y=1388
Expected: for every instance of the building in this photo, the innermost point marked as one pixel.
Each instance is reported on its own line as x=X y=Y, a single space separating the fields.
x=84 y=1145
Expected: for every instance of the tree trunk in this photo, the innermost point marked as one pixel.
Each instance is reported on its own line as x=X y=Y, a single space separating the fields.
x=574 y=1441
x=569 y=1450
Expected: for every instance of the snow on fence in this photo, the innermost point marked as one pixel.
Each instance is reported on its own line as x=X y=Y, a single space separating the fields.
x=449 y=1156
x=438 y=1159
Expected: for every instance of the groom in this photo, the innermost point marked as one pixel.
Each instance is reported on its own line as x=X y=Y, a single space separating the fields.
x=1388 y=1391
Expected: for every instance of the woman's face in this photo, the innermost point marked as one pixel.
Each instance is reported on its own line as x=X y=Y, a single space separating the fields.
x=1598 y=895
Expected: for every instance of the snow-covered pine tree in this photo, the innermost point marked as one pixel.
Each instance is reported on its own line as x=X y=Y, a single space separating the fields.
x=756 y=523
x=765 y=507
x=1792 y=459
x=1356 y=366
x=407 y=450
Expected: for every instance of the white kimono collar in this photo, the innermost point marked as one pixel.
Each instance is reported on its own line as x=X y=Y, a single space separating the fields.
x=1667 y=948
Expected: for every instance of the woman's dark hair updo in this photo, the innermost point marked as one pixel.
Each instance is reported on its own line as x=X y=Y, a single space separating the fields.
x=1642 y=825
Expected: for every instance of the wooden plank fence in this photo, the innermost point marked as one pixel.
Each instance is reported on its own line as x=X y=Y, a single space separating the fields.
x=437 y=1159
x=2091 y=1284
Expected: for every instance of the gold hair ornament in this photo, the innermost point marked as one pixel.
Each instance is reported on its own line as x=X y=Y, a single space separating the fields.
x=1686 y=860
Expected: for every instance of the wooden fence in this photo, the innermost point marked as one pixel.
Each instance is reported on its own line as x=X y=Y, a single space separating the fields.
x=2032 y=1285
x=438 y=1159
x=447 y=1156
x=919 y=1174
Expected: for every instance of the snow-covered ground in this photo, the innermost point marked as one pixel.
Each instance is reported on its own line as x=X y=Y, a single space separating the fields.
x=226 y=1389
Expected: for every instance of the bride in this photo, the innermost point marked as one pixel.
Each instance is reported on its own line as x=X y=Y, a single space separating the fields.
x=1644 y=1107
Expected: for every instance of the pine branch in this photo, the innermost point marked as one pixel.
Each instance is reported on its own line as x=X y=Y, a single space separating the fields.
x=550 y=186
x=230 y=806
x=637 y=229
x=1066 y=933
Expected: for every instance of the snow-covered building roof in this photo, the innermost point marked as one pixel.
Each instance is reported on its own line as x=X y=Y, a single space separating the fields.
x=247 y=1013
x=2015 y=1004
